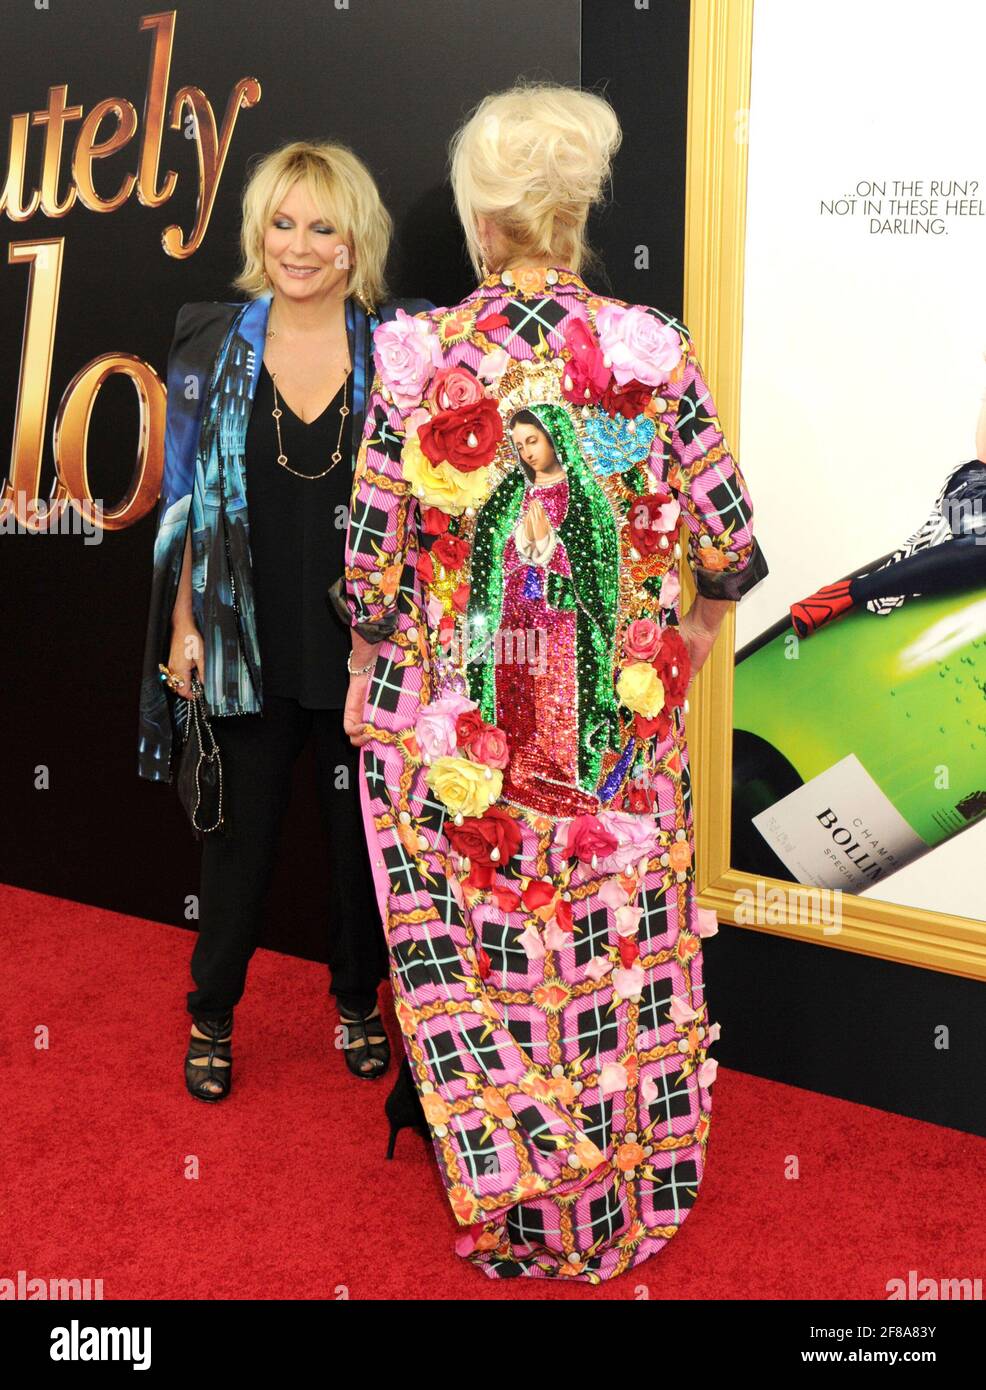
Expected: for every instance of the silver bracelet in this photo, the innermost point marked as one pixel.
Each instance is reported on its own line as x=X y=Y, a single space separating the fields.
x=360 y=670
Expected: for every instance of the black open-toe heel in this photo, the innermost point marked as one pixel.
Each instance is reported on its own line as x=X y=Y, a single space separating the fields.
x=209 y=1060
x=366 y=1041
x=403 y=1107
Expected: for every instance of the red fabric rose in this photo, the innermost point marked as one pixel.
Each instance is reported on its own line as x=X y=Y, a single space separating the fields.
x=451 y=551
x=452 y=387
x=506 y=899
x=467 y=726
x=588 y=836
x=647 y=728
x=425 y=568
x=460 y=599
x=629 y=951
x=446 y=627
x=563 y=915
x=482 y=963
x=586 y=375
x=646 y=526
x=674 y=666
x=434 y=522
x=466 y=437
x=478 y=838
x=629 y=400
x=537 y=894
x=490 y=747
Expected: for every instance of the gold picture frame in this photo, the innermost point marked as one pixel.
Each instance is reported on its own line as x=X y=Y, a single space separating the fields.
x=720 y=67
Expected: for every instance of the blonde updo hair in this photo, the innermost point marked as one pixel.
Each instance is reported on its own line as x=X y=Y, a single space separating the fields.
x=343 y=191
x=534 y=159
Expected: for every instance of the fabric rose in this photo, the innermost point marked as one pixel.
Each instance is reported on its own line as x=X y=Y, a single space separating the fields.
x=434 y=522
x=488 y=842
x=637 y=344
x=640 y=688
x=642 y=639
x=653 y=516
x=450 y=551
x=674 y=666
x=425 y=567
x=647 y=728
x=467 y=726
x=628 y=983
x=630 y=400
x=452 y=387
x=586 y=374
x=406 y=351
x=538 y=893
x=442 y=486
x=466 y=438
x=637 y=838
x=494 y=364
x=466 y=788
x=670 y=590
x=490 y=747
x=587 y=836
x=434 y=727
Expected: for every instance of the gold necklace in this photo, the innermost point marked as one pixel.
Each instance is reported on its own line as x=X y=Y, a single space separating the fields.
x=277 y=412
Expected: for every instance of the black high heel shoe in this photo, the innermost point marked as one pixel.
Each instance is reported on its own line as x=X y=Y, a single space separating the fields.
x=403 y=1107
x=209 y=1060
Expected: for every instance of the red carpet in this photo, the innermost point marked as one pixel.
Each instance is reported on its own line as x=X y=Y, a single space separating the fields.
x=293 y=1197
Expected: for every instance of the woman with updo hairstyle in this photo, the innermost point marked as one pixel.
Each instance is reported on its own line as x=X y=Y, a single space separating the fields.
x=540 y=458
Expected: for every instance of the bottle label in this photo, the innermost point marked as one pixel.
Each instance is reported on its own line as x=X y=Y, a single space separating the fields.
x=839 y=830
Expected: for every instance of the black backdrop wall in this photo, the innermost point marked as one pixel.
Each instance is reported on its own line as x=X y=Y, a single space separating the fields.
x=392 y=79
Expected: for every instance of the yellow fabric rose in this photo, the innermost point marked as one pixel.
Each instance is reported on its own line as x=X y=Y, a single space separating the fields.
x=640 y=689
x=441 y=485
x=467 y=788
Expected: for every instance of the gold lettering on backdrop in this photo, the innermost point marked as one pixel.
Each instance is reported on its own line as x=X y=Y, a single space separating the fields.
x=107 y=129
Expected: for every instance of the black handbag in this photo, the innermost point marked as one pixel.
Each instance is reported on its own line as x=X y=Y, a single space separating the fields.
x=200 y=772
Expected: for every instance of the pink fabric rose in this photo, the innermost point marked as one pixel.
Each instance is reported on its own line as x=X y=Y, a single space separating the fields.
x=490 y=747
x=452 y=387
x=494 y=364
x=434 y=727
x=613 y=894
x=670 y=590
x=628 y=984
x=642 y=639
x=637 y=838
x=406 y=351
x=637 y=345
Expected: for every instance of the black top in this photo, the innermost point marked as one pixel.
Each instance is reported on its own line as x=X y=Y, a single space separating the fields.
x=297 y=547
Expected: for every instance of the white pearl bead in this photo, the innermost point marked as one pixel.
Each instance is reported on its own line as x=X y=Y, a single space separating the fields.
x=495 y=855
x=405 y=818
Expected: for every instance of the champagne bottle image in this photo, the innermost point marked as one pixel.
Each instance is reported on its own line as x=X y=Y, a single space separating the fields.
x=861 y=745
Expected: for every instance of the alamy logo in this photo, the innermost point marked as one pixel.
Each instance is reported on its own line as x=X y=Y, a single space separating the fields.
x=75 y=1343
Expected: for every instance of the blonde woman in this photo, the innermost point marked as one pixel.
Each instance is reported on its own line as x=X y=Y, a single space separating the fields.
x=546 y=457
x=266 y=398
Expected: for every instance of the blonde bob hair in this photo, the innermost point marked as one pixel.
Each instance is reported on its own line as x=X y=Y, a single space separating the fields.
x=534 y=159
x=343 y=190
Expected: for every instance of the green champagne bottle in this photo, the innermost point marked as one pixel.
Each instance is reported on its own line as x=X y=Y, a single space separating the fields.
x=860 y=718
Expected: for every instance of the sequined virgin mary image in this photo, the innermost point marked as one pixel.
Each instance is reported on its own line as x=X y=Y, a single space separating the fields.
x=542 y=616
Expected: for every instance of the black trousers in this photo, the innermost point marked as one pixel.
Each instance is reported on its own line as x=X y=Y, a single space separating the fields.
x=258 y=752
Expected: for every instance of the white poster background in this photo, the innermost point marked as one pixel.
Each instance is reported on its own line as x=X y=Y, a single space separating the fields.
x=863 y=368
